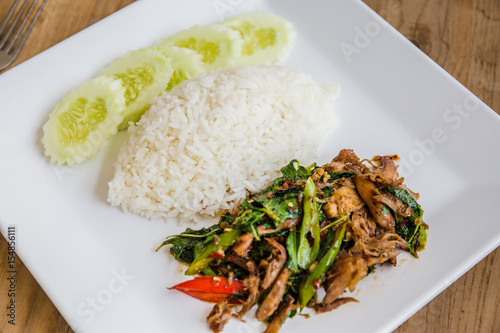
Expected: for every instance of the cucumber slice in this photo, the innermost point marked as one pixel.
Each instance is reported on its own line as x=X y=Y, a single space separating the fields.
x=267 y=38
x=145 y=74
x=186 y=63
x=219 y=46
x=82 y=123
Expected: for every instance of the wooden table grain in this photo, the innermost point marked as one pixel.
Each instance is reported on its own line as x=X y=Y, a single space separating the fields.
x=462 y=36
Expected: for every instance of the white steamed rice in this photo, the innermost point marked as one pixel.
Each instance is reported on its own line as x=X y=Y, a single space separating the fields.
x=202 y=146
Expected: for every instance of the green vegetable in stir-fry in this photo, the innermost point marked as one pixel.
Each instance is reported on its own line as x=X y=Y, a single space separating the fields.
x=309 y=230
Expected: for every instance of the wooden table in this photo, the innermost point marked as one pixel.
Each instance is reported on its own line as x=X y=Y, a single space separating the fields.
x=461 y=36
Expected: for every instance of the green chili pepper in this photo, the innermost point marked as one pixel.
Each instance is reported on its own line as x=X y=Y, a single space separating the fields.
x=291 y=248
x=202 y=260
x=306 y=254
x=306 y=290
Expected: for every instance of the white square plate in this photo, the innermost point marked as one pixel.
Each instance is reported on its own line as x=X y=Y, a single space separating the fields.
x=98 y=264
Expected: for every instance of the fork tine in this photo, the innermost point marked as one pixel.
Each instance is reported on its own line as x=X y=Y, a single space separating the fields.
x=12 y=25
x=7 y=17
x=18 y=47
x=21 y=26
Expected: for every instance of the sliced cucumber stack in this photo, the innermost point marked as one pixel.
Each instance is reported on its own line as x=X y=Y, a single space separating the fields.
x=186 y=63
x=83 y=122
x=267 y=38
x=218 y=45
x=144 y=74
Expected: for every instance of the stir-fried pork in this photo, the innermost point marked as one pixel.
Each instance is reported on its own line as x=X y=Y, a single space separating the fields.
x=314 y=227
x=273 y=268
x=379 y=249
x=322 y=308
x=251 y=283
x=286 y=225
x=275 y=325
x=386 y=173
x=350 y=160
x=246 y=263
x=343 y=201
x=360 y=225
x=275 y=296
x=367 y=190
x=220 y=315
x=345 y=273
x=243 y=244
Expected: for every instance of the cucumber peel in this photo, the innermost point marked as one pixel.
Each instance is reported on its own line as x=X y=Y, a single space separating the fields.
x=83 y=122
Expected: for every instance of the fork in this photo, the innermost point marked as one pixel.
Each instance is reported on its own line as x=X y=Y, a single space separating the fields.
x=12 y=40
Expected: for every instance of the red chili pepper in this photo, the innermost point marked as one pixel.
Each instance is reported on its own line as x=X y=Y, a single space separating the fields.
x=315 y=284
x=212 y=289
x=395 y=157
x=217 y=254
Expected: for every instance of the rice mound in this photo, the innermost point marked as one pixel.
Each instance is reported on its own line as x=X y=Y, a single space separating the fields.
x=199 y=148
